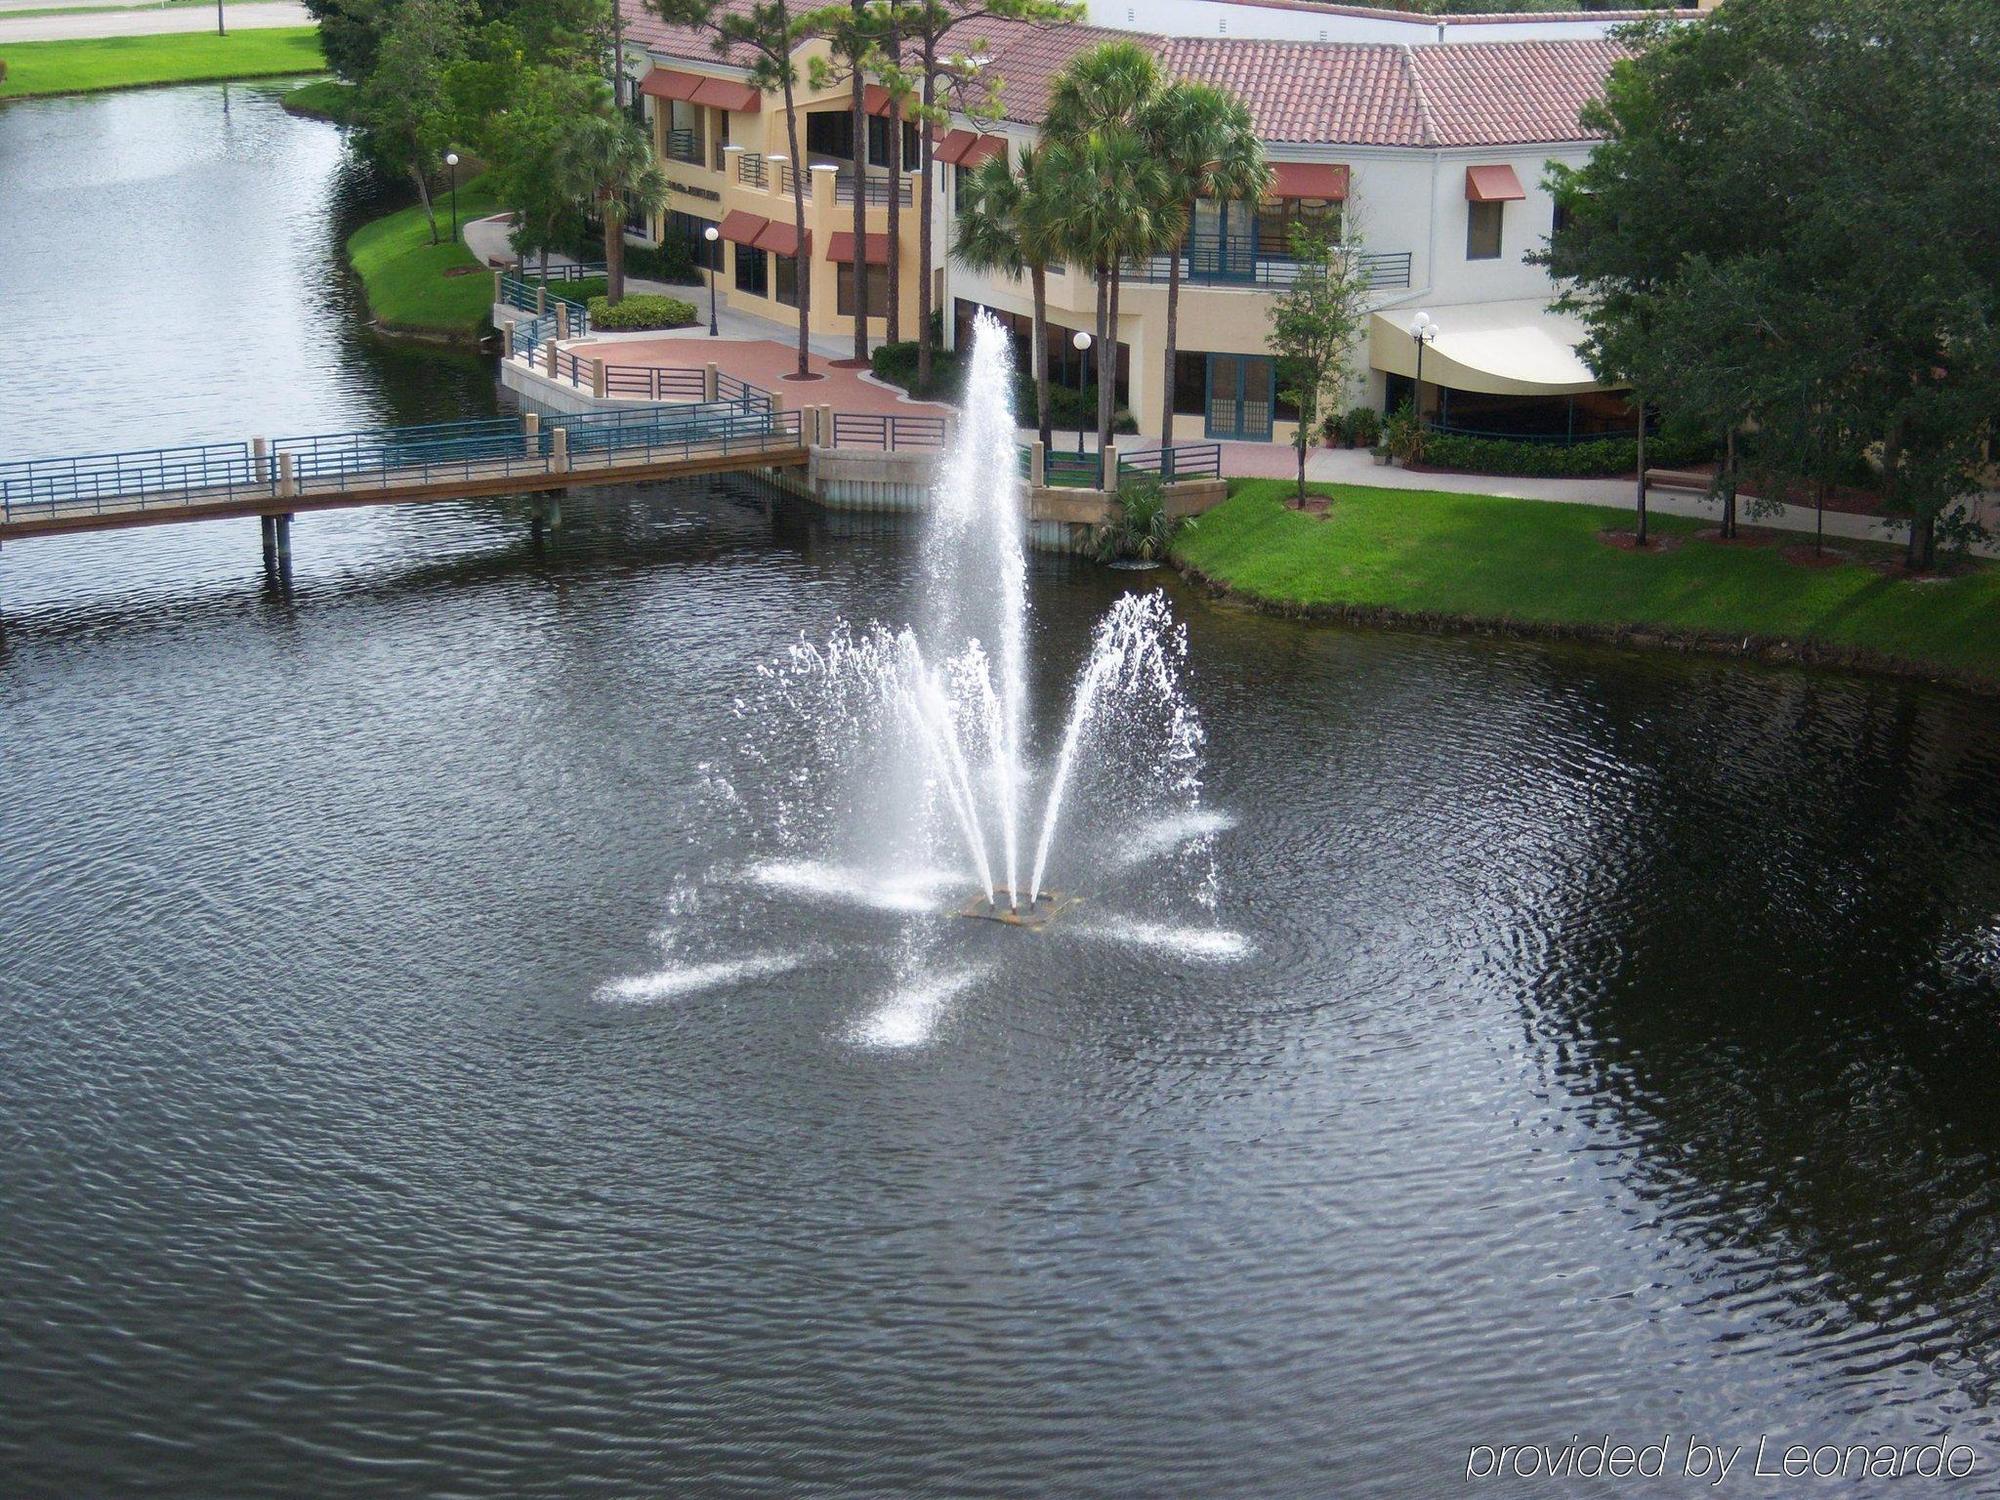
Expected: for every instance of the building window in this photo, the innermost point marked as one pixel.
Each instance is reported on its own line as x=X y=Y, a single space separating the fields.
x=1559 y=218
x=878 y=143
x=692 y=232
x=961 y=188
x=830 y=133
x=751 y=275
x=878 y=291
x=1482 y=230
x=787 y=278
x=1279 y=218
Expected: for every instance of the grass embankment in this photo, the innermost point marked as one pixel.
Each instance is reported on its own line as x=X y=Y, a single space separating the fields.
x=118 y=62
x=1541 y=567
x=323 y=99
x=413 y=287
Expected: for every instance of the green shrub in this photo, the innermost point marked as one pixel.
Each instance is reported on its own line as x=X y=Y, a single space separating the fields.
x=1364 y=426
x=1404 y=435
x=897 y=364
x=1593 y=459
x=641 y=311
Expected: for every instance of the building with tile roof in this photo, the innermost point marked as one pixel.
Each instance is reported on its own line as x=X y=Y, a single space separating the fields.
x=1429 y=136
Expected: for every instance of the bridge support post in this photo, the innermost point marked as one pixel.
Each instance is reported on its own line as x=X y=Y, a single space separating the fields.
x=559 y=451
x=281 y=531
x=267 y=531
x=288 y=484
x=546 y=516
x=711 y=382
x=597 y=384
x=1038 y=461
x=531 y=431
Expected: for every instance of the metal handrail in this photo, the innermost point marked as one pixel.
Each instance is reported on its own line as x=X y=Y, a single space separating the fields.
x=886 y=431
x=681 y=146
x=1207 y=261
x=785 y=176
x=874 y=192
x=750 y=170
x=517 y=293
x=1177 y=461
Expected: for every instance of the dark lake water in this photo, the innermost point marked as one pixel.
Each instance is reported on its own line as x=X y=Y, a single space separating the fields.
x=1586 y=1043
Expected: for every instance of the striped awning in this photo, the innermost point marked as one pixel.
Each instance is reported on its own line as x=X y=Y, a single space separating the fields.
x=727 y=93
x=840 y=248
x=743 y=228
x=1309 y=179
x=781 y=238
x=670 y=83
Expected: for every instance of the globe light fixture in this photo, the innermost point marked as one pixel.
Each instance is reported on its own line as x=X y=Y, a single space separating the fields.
x=711 y=234
x=1081 y=341
x=451 y=160
x=1422 y=331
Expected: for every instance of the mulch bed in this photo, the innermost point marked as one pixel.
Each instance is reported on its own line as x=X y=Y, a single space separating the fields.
x=1713 y=534
x=1628 y=541
x=1315 y=505
x=1802 y=555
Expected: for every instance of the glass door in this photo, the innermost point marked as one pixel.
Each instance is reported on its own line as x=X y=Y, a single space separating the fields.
x=1240 y=397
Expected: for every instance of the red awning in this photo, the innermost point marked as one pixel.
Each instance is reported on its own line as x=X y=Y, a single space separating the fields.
x=983 y=149
x=875 y=100
x=953 y=147
x=1309 y=179
x=840 y=248
x=726 y=93
x=670 y=83
x=781 y=238
x=743 y=228
x=1492 y=185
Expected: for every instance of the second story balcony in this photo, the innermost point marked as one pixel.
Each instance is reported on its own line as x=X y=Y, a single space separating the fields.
x=1240 y=261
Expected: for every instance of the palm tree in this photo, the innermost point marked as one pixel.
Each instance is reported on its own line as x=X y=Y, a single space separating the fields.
x=1110 y=203
x=1117 y=199
x=1009 y=224
x=605 y=163
x=1203 y=137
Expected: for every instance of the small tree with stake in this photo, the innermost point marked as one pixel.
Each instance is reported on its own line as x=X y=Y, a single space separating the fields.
x=1316 y=325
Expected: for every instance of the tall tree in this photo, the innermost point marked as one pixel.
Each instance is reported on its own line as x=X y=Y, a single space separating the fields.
x=1204 y=139
x=605 y=161
x=1793 y=124
x=405 y=108
x=526 y=146
x=1316 y=325
x=1010 y=224
x=901 y=88
x=852 y=32
x=946 y=74
x=1119 y=200
x=770 y=33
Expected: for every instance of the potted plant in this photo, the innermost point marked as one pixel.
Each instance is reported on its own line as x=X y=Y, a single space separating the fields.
x=1335 y=430
x=1364 y=427
x=1142 y=531
x=1403 y=435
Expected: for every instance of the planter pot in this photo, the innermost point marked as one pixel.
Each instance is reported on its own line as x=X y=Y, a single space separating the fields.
x=1381 y=459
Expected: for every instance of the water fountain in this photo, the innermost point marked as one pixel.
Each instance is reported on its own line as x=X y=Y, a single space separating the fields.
x=925 y=730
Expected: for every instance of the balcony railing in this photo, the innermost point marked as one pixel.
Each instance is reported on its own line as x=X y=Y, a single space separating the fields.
x=750 y=170
x=786 y=174
x=682 y=145
x=1205 y=261
x=874 y=190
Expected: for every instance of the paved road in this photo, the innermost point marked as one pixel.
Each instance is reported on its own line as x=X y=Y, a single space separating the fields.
x=95 y=23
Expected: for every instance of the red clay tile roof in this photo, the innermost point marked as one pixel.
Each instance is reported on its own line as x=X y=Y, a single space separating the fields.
x=1303 y=93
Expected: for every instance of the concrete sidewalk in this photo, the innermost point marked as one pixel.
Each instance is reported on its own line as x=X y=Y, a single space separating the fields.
x=84 y=24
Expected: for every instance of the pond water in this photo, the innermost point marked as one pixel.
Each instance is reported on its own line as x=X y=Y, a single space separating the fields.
x=416 y=1080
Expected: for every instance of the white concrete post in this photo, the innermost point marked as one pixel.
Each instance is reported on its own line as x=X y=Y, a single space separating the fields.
x=507 y=340
x=531 y=431
x=826 y=424
x=1037 y=466
x=260 y=459
x=541 y=301
x=498 y=290
x=597 y=384
x=551 y=347
x=1109 y=475
x=562 y=320
x=559 y=450
x=288 y=484
x=711 y=382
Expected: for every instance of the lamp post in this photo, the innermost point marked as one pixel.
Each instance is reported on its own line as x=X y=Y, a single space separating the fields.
x=451 y=160
x=711 y=234
x=1082 y=342
x=1422 y=331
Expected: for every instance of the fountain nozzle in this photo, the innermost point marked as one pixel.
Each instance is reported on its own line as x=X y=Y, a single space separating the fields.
x=1017 y=908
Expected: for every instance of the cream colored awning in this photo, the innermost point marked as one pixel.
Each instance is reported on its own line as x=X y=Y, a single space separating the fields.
x=1496 y=348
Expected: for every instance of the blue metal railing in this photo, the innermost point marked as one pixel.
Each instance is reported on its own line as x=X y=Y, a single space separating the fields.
x=1241 y=261
x=516 y=293
x=887 y=431
x=330 y=463
x=1180 y=461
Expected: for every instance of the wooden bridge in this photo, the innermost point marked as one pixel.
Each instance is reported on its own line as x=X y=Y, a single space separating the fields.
x=394 y=466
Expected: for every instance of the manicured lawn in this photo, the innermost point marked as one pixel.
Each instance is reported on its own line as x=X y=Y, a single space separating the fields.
x=323 y=99
x=405 y=275
x=1532 y=562
x=115 y=62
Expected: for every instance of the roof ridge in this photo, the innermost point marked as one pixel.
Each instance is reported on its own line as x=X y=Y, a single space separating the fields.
x=1427 y=135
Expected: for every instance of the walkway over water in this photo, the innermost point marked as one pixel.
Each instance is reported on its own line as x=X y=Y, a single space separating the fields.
x=395 y=466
